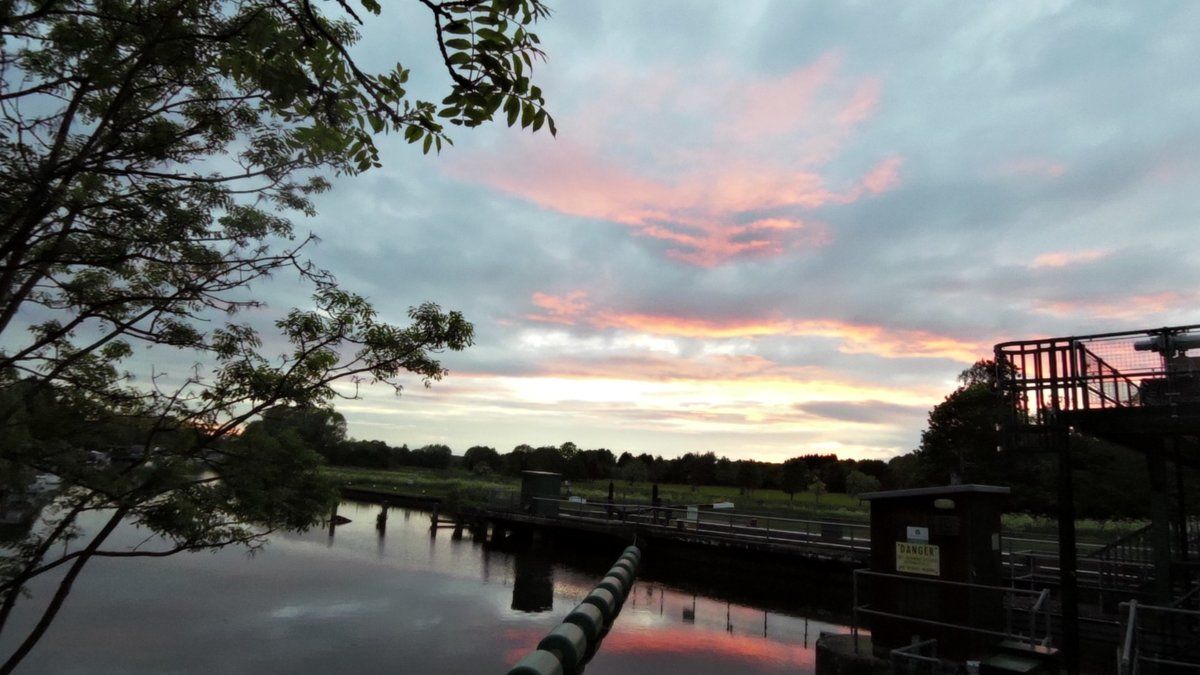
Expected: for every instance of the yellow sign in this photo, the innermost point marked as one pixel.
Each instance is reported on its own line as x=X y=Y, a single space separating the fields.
x=918 y=559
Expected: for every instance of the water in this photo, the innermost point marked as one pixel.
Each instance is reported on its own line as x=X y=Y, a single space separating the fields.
x=401 y=602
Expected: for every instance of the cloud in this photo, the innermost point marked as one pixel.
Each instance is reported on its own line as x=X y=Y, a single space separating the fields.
x=853 y=338
x=559 y=308
x=1141 y=308
x=743 y=168
x=1065 y=258
x=864 y=411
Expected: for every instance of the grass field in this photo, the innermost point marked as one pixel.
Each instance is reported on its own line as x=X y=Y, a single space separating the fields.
x=460 y=486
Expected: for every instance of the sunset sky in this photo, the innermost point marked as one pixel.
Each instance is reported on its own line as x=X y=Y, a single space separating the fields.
x=769 y=229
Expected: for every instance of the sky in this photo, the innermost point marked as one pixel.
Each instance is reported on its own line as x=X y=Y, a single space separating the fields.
x=771 y=229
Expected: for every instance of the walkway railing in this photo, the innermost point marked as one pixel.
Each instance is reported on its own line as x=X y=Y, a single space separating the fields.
x=1158 y=636
x=1026 y=611
x=848 y=536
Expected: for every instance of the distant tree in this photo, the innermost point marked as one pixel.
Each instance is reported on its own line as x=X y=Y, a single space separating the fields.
x=906 y=471
x=635 y=471
x=749 y=476
x=477 y=454
x=599 y=463
x=858 y=482
x=795 y=477
x=725 y=472
x=877 y=468
x=433 y=456
x=700 y=468
x=321 y=429
x=817 y=488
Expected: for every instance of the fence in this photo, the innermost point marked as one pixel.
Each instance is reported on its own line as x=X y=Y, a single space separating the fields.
x=848 y=536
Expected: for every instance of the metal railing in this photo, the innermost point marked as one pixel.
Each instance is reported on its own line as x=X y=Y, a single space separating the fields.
x=1033 y=603
x=1158 y=637
x=912 y=659
x=766 y=529
x=1103 y=371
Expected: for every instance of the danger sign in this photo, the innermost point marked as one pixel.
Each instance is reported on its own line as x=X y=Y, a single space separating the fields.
x=918 y=559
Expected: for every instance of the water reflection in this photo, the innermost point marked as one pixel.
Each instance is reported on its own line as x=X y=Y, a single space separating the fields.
x=379 y=594
x=533 y=583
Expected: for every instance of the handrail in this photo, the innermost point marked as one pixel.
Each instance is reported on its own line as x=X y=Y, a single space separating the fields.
x=722 y=514
x=1161 y=632
x=948 y=582
x=1114 y=374
x=1039 y=605
x=1127 y=650
x=1120 y=542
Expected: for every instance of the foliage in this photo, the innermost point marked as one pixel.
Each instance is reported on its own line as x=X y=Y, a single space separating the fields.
x=635 y=472
x=795 y=476
x=480 y=454
x=858 y=482
x=154 y=154
x=817 y=488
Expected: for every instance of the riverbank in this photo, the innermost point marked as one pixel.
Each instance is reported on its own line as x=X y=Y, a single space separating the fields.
x=457 y=488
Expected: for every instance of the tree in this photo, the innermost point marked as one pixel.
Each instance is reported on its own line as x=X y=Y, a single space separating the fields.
x=749 y=475
x=817 y=487
x=795 y=476
x=433 y=456
x=858 y=482
x=152 y=155
x=320 y=429
x=635 y=471
x=961 y=437
x=480 y=454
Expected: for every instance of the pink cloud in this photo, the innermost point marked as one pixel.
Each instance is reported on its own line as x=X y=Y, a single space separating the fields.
x=884 y=176
x=714 y=172
x=559 y=308
x=855 y=338
x=1066 y=258
x=1132 y=308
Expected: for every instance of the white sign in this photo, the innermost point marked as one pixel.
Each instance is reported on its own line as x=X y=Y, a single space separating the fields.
x=918 y=535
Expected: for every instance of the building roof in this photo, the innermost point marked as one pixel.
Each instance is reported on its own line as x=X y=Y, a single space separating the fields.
x=936 y=491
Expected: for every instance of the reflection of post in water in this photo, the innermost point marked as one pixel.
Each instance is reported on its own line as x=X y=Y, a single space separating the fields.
x=764 y=623
x=333 y=516
x=661 y=600
x=533 y=583
x=728 y=623
x=381 y=527
x=689 y=615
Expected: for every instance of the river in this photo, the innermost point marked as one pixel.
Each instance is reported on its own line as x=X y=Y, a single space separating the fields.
x=398 y=600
